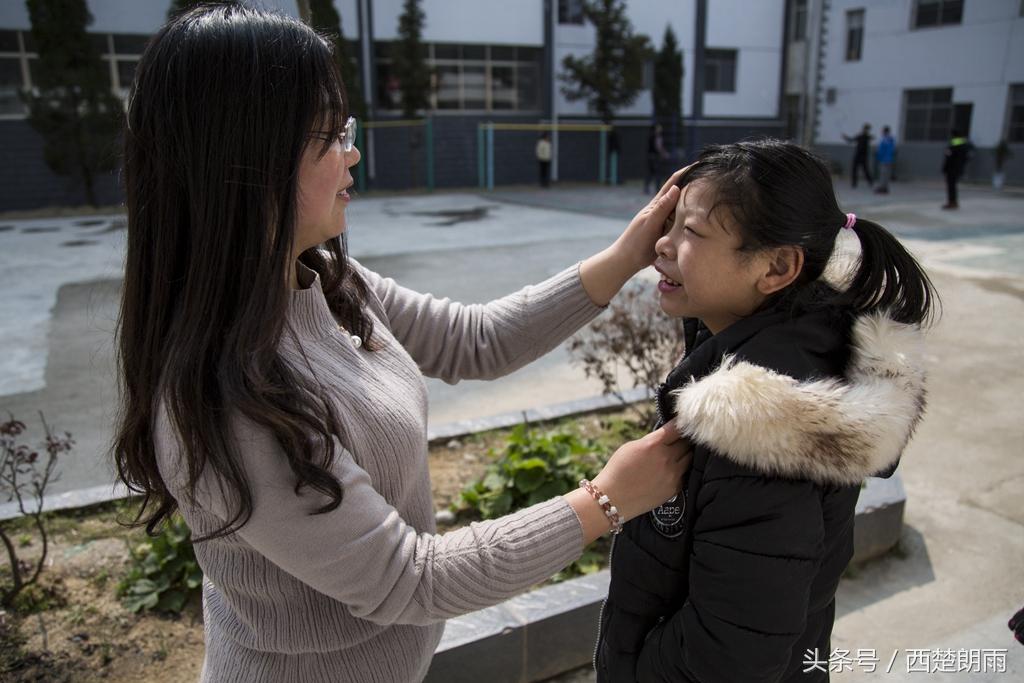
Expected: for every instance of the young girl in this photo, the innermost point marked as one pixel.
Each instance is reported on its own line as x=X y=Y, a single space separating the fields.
x=792 y=390
x=273 y=390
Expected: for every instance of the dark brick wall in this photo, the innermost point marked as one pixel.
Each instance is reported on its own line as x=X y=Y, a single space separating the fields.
x=26 y=182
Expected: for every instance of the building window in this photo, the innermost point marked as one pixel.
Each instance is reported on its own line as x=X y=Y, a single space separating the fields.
x=929 y=13
x=570 y=11
x=469 y=77
x=798 y=20
x=854 y=34
x=719 y=70
x=120 y=53
x=14 y=72
x=1016 y=118
x=927 y=114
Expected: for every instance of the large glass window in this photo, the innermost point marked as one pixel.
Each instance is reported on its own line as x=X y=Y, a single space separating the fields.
x=570 y=11
x=937 y=12
x=470 y=77
x=854 y=34
x=927 y=114
x=719 y=70
x=1016 y=117
x=13 y=72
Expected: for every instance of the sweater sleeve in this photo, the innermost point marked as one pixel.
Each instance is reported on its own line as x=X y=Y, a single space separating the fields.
x=757 y=545
x=454 y=341
x=366 y=556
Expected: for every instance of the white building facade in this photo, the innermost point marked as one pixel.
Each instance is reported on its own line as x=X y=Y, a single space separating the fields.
x=923 y=68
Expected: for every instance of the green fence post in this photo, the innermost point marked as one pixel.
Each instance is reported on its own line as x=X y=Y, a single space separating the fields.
x=602 y=155
x=430 y=153
x=361 y=168
x=480 y=152
x=490 y=156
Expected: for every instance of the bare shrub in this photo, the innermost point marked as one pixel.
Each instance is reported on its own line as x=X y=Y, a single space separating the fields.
x=634 y=338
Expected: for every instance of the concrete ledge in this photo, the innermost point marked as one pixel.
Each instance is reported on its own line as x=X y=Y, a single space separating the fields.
x=879 y=520
x=555 y=411
x=450 y=430
x=528 y=638
x=553 y=629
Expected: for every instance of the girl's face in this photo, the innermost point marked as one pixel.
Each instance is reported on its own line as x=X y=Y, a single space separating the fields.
x=704 y=275
x=322 y=192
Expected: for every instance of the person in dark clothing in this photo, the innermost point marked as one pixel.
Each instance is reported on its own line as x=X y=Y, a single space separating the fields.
x=543 y=153
x=656 y=154
x=862 y=143
x=958 y=153
x=792 y=390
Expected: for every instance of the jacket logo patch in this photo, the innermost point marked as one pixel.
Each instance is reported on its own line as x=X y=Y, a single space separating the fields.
x=668 y=518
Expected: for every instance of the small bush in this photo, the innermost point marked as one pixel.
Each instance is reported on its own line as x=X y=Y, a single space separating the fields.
x=164 y=573
x=25 y=474
x=532 y=468
x=635 y=338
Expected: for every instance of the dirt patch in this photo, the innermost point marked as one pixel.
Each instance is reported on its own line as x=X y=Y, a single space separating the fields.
x=86 y=635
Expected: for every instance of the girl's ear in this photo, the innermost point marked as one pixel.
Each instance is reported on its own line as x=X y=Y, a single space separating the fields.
x=782 y=267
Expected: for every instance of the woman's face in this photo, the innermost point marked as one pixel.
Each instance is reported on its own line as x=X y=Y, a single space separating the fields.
x=323 y=192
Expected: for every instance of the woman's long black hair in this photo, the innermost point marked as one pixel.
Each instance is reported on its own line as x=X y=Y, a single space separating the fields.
x=221 y=109
x=781 y=195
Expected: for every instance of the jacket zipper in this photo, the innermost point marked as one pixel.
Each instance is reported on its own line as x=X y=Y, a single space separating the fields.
x=600 y=615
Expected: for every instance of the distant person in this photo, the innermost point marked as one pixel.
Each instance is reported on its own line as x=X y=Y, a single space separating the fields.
x=862 y=142
x=656 y=154
x=958 y=153
x=885 y=155
x=543 y=152
x=614 y=149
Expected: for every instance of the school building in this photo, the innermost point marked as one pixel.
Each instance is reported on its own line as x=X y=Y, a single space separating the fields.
x=493 y=61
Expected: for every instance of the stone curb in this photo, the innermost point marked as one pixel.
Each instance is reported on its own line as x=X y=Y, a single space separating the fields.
x=449 y=430
x=553 y=629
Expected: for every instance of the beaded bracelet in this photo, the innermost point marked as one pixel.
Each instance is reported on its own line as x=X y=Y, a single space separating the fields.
x=610 y=511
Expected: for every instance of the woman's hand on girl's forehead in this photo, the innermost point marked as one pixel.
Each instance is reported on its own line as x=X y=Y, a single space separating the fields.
x=672 y=181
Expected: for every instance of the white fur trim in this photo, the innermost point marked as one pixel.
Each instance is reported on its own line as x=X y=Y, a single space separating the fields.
x=828 y=431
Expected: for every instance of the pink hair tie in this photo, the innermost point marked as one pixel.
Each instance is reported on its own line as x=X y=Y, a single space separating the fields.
x=851 y=218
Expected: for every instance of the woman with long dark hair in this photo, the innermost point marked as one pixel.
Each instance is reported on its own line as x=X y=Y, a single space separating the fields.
x=272 y=387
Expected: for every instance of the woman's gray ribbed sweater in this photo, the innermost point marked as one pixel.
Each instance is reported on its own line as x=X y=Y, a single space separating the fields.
x=360 y=593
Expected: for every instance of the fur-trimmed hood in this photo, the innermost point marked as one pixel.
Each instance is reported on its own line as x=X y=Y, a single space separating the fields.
x=830 y=431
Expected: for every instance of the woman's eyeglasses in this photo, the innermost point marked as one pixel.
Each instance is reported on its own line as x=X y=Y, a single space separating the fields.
x=347 y=137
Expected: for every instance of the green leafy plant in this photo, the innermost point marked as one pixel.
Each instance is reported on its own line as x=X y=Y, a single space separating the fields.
x=164 y=572
x=533 y=467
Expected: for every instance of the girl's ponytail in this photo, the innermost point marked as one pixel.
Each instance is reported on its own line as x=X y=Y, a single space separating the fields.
x=888 y=278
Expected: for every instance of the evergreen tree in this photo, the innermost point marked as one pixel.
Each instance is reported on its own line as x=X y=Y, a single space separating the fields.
x=668 y=88
x=409 y=57
x=612 y=75
x=325 y=19
x=71 y=103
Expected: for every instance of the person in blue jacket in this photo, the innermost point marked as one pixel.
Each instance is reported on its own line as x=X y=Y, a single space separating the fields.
x=885 y=155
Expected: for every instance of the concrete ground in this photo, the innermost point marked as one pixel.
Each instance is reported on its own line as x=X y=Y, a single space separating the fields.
x=957 y=575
